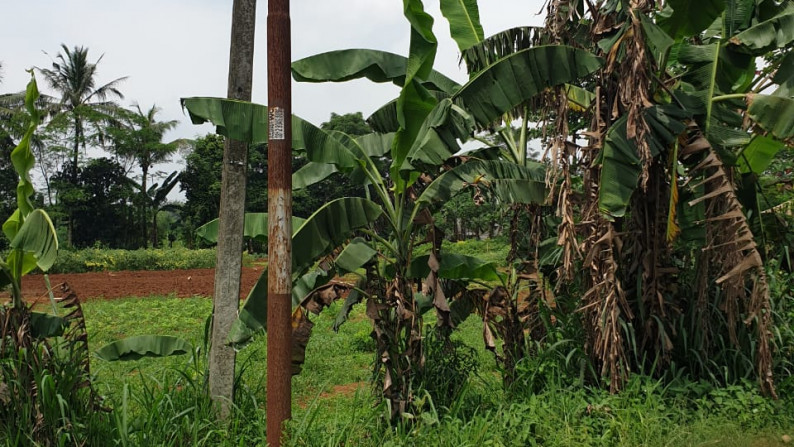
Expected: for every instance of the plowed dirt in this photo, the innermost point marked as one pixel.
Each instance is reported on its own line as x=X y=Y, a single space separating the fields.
x=111 y=285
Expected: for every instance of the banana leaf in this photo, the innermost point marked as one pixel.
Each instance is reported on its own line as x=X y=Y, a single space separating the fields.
x=385 y=120
x=769 y=35
x=501 y=178
x=238 y=120
x=35 y=243
x=620 y=164
x=456 y=266
x=325 y=230
x=255 y=227
x=375 y=65
x=246 y=121
x=758 y=155
x=355 y=254
x=784 y=77
x=133 y=348
x=502 y=86
x=689 y=18
x=464 y=22
x=45 y=325
x=311 y=173
x=774 y=113
x=439 y=134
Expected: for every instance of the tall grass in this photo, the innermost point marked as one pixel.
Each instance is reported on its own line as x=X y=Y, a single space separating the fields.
x=163 y=402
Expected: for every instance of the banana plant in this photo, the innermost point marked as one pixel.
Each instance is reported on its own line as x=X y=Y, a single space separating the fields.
x=432 y=115
x=30 y=230
x=386 y=250
x=683 y=100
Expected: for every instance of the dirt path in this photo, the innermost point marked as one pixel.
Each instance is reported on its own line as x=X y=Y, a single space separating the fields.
x=110 y=285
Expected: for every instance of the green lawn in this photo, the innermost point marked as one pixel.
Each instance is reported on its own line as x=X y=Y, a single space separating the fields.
x=162 y=401
x=333 y=403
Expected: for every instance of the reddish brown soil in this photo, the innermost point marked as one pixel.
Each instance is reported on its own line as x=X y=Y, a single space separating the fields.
x=110 y=285
x=347 y=389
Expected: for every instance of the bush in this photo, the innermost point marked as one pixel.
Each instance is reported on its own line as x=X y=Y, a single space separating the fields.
x=449 y=364
x=107 y=260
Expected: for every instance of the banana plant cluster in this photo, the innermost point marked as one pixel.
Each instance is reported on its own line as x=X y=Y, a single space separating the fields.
x=693 y=96
x=419 y=137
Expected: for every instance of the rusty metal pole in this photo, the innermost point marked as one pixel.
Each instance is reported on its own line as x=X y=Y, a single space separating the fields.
x=279 y=208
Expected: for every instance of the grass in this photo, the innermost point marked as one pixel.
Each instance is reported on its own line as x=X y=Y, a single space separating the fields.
x=163 y=402
x=333 y=403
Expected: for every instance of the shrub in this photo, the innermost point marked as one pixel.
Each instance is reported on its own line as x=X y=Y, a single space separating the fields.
x=104 y=260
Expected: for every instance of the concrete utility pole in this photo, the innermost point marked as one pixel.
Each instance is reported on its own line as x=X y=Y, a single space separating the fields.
x=232 y=214
x=279 y=208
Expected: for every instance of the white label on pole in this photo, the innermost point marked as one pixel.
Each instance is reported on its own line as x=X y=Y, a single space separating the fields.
x=275 y=123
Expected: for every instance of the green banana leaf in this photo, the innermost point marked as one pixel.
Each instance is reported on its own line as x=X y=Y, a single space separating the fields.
x=456 y=266
x=36 y=242
x=502 y=44
x=374 y=145
x=385 y=120
x=502 y=178
x=246 y=121
x=375 y=65
x=45 y=325
x=464 y=22
x=355 y=254
x=311 y=173
x=238 y=120
x=620 y=171
x=326 y=229
x=255 y=227
x=656 y=39
x=620 y=164
x=439 y=134
x=133 y=348
x=579 y=99
x=689 y=18
x=769 y=35
x=329 y=227
x=757 y=155
x=774 y=113
x=502 y=86
x=22 y=157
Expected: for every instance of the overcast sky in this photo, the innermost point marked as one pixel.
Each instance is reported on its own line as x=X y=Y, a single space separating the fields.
x=178 y=48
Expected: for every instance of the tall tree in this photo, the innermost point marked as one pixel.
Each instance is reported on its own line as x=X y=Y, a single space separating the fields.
x=82 y=102
x=101 y=201
x=139 y=137
x=232 y=212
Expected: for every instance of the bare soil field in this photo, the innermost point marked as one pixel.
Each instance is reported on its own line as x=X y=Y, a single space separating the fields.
x=111 y=285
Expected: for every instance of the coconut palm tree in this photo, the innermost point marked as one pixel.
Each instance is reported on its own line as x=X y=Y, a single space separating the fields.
x=137 y=137
x=82 y=101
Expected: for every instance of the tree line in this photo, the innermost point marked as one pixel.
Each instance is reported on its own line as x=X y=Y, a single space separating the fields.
x=120 y=197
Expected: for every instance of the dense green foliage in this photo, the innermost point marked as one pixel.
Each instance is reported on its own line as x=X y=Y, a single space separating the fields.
x=100 y=198
x=333 y=404
x=109 y=260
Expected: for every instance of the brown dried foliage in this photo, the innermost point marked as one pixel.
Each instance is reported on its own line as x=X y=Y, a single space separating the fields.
x=731 y=252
